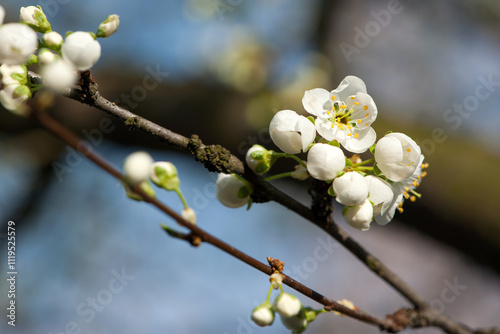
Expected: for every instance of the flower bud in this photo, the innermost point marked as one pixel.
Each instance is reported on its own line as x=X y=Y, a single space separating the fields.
x=381 y=193
x=359 y=216
x=12 y=97
x=397 y=156
x=287 y=305
x=53 y=40
x=291 y=132
x=259 y=159
x=350 y=189
x=232 y=190
x=300 y=172
x=58 y=75
x=164 y=175
x=136 y=167
x=263 y=315
x=297 y=324
x=17 y=43
x=109 y=26
x=189 y=215
x=81 y=49
x=13 y=74
x=45 y=57
x=276 y=280
x=325 y=161
x=35 y=18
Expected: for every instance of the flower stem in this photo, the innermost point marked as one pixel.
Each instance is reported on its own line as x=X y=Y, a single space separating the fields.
x=278 y=176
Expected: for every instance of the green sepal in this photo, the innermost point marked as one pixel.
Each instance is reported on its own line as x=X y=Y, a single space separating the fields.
x=331 y=192
x=372 y=148
x=334 y=143
x=377 y=170
x=348 y=162
x=311 y=119
x=32 y=60
x=244 y=192
x=388 y=132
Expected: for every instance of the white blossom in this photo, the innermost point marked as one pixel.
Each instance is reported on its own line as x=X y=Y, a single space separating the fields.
x=53 y=39
x=259 y=159
x=291 y=132
x=58 y=75
x=397 y=156
x=109 y=26
x=81 y=49
x=35 y=18
x=12 y=97
x=13 y=74
x=325 y=161
x=287 y=305
x=136 y=167
x=263 y=315
x=345 y=114
x=17 y=43
x=189 y=215
x=359 y=216
x=380 y=194
x=232 y=190
x=350 y=189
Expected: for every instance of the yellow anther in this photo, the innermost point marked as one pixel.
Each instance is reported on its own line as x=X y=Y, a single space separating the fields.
x=424 y=174
x=343 y=106
x=328 y=112
x=356 y=103
x=333 y=97
x=349 y=134
x=413 y=198
x=367 y=114
x=407 y=189
x=359 y=121
x=365 y=107
x=405 y=194
x=353 y=97
x=356 y=135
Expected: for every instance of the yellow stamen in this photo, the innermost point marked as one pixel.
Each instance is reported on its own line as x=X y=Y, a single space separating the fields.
x=356 y=135
x=365 y=107
x=356 y=103
x=408 y=150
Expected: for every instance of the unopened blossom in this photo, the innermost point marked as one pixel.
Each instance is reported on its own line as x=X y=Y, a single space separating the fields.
x=35 y=18
x=53 y=40
x=359 y=216
x=325 y=161
x=397 y=156
x=58 y=75
x=81 y=49
x=347 y=303
x=291 y=132
x=259 y=159
x=403 y=190
x=45 y=57
x=189 y=215
x=232 y=190
x=344 y=114
x=17 y=43
x=13 y=74
x=276 y=280
x=350 y=189
x=287 y=305
x=137 y=166
x=164 y=175
x=263 y=315
x=109 y=26
x=380 y=194
x=300 y=171
x=12 y=97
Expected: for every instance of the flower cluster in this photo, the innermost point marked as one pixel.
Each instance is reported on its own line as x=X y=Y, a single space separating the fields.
x=59 y=58
x=340 y=124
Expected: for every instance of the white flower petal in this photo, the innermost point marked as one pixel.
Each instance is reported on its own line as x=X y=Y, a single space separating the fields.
x=380 y=193
x=360 y=141
x=17 y=43
x=291 y=132
x=397 y=156
x=351 y=85
x=314 y=100
x=81 y=49
x=359 y=216
x=227 y=188
x=58 y=75
x=350 y=189
x=136 y=167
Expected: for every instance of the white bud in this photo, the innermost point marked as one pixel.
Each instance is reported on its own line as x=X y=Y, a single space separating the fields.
x=12 y=97
x=136 y=167
x=109 y=26
x=259 y=159
x=300 y=172
x=45 y=57
x=297 y=323
x=189 y=215
x=13 y=74
x=17 y=43
x=276 y=280
x=35 y=18
x=325 y=161
x=58 y=75
x=263 y=315
x=291 y=132
x=397 y=156
x=350 y=189
x=347 y=303
x=53 y=39
x=81 y=49
x=164 y=175
x=232 y=191
x=359 y=216
x=381 y=194
x=287 y=305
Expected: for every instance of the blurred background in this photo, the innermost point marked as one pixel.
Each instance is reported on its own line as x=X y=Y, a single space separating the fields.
x=91 y=261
